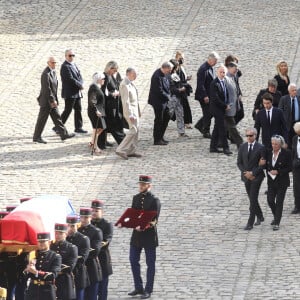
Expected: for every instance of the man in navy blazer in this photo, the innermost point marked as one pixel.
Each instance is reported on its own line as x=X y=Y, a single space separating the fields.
x=271 y=121
x=72 y=85
x=159 y=96
x=205 y=76
x=250 y=161
x=290 y=105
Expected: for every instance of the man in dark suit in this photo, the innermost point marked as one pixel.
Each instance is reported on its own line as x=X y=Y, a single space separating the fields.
x=48 y=102
x=159 y=96
x=205 y=76
x=104 y=255
x=290 y=105
x=250 y=161
x=218 y=105
x=296 y=168
x=271 y=121
x=72 y=85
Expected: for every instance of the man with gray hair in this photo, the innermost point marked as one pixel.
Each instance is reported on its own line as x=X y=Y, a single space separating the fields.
x=159 y=95
x=132 y=113
x=205 y=76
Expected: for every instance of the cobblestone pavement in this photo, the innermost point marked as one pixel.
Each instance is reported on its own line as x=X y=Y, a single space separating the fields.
x=204 y=252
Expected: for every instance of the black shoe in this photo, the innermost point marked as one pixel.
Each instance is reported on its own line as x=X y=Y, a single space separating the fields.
x=67 y=136
x=248 y=227
x=276 y=227
x=197 y=126
x=227 y=152
x=108 y=144
x=266 y=192
x=39 y=140
x=295 y=211
x=136 y=292
x=207 y=135
x=146 y=295
x=165 y=141
x=215 y=151
x=258 y=222
x=273 y=222
x=160 y=143
x=80 y=130
x=262 y=219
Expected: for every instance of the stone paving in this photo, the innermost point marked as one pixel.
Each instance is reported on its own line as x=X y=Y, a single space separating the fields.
x=204 y=252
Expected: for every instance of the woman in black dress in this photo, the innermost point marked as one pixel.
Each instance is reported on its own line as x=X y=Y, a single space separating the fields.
x=282 y=77
x=96 y=110
x=278 y=166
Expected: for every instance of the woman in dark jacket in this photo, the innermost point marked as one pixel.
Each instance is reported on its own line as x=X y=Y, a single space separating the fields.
x=282 y=77
x=278 y=166
x=96 y=110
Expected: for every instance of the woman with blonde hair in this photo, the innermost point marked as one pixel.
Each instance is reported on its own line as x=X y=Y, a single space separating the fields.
x=282 y=77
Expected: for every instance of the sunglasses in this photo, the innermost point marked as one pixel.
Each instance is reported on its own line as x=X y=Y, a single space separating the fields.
x=71 y=55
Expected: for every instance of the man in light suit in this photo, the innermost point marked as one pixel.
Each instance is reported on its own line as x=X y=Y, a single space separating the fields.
x=250 y=161
x=218 y=105
x=72 y=85
x=131 y=112
x=271 y=121
x=290 y=105
x=48 y=102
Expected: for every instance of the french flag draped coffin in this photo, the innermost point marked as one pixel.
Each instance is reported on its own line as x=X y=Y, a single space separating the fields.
x=39 y=214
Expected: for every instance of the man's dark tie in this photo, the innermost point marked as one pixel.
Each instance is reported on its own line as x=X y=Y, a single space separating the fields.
x=293 y=110
x=249 y=151
x=269 y=119
x=225 y=90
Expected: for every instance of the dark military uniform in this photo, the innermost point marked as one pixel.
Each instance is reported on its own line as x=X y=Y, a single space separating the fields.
x=146 y=239
x=41 y=287
x=80 y=271
x=104 y=255
x=92 y=262
x=65 y=281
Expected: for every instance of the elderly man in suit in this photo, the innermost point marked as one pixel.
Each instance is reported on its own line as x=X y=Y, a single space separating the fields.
x=290 y=105
x=131 y=112
x=48 y=102
x=271 y=121
x=218 y=106
x=72 y=85
x=251 y=161
x=159 y=95
x=205 y=76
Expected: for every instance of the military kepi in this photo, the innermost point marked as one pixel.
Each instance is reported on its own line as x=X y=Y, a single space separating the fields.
x=97 y=203
x=3 y=214
x=145 y=179
x=43 y=236
x=61 y=227
x=85 y=211
x=72 y=219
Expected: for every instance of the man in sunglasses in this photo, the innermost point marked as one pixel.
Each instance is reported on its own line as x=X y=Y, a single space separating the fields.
x=72 y=86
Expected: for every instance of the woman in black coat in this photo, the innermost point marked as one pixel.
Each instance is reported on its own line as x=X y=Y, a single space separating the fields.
x=96 y=110
x=278 y=166
x=282 y=77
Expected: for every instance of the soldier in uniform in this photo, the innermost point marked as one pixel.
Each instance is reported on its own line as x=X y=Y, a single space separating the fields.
x=68 y=252
x=92 y=262
x=104 y=255
x=43 y=270
x=146 y=239
x=83 y=244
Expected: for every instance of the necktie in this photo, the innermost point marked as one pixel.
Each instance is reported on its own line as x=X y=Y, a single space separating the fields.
x=224 y=89
x=269 y=119
x=249 y=151
x=293 y=110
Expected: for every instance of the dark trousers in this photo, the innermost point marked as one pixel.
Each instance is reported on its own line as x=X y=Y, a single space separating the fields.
x=117 y=135
x=275 y=198
x=71 y=103
x=187 y=113
x=291 y=134
x=232 y=130
x=42 y=120
x=296 y=187
x=205 y=121
x=91 y=292
x=219 y=133
x=252 y=189
x=161 y=121
x=103 y=285
x=240 y=113
x=79 y=294
x=134 y=257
